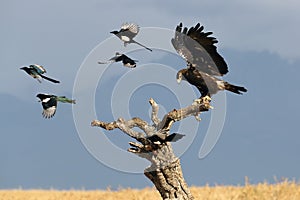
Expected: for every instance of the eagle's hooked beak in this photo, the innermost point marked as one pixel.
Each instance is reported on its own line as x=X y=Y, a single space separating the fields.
x=179 y=77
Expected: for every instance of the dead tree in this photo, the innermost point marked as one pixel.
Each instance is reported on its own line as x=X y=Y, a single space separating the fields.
x=165 y=171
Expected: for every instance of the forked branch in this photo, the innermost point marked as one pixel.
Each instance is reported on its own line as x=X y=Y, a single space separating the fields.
x=153 y=144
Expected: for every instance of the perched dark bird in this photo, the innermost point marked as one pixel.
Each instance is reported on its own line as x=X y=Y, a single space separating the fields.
x=203 y=61
x=163 y=138
x=127 y=62
x=37 y=71
x=127 y=32
x=49 y=103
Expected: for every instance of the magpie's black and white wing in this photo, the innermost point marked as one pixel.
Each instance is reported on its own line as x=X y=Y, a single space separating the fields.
x=49 y=104
x=128 y=62
x=198 y=49
x=49 y=108
x=131 y=29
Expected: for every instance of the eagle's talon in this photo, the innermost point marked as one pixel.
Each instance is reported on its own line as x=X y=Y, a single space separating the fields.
x=200 y=72
x=198 y=118
x=206 y=98
x=198 y=101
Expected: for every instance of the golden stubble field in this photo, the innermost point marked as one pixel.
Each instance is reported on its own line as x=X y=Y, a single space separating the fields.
x=286 y=190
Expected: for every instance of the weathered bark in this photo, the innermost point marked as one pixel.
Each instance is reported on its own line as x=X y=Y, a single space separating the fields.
x=165 y=171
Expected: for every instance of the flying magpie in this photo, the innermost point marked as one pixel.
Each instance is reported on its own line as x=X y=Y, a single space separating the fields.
x=49 y=103
x=127 y=62
x=160 y=138
x=36 y=72
x=127 y=32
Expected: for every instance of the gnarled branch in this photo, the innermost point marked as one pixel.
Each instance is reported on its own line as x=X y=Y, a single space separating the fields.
x=165 y=170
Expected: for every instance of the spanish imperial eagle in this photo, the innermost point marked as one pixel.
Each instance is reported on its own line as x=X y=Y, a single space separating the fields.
x=127 y=32
x=49 y=103
x=203 y=61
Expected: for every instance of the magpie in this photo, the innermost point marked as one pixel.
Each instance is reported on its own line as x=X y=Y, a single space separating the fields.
x=36 y=72
x=127 y=32
x=49 y=103
x=127 y=62
x=163 y=138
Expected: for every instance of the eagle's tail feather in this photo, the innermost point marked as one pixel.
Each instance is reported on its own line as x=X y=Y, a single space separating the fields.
x=234 y=88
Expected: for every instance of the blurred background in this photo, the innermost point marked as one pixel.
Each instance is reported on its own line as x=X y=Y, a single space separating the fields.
x=258 y=39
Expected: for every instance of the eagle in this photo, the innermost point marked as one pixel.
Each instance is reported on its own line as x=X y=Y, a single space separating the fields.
x=127 y=32
x=49 y=103
x=36 y=71
x=204 y=63
x=127 y=62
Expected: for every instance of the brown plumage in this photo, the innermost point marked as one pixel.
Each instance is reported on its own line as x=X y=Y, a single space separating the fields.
x=203 y=61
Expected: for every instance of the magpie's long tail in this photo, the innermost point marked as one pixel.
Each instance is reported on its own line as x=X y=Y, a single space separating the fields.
x=64 y=99
x=133 y=41
x=106 y=62
x=234 y=88
x=174 y=137
x=49 y=79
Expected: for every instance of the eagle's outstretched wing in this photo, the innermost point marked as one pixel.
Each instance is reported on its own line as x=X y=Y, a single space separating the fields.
x=198 y=49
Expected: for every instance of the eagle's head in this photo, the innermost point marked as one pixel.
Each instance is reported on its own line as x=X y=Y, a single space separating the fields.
x=180 y=76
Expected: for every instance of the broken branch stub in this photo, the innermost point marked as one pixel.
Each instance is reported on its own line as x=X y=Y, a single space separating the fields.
x=165 y=171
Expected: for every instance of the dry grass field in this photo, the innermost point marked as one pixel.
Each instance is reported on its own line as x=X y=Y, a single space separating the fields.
x=285 y=190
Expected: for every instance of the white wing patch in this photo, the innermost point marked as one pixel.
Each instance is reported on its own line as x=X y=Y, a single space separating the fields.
x=130 y=65
x=125 y=38
x=134 y=28
x=48 y=113
x=46 y=100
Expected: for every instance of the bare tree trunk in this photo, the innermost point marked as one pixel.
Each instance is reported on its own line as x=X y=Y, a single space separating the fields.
x=165 y=171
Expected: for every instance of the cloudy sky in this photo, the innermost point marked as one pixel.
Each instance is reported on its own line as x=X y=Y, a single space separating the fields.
x=260 y=137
